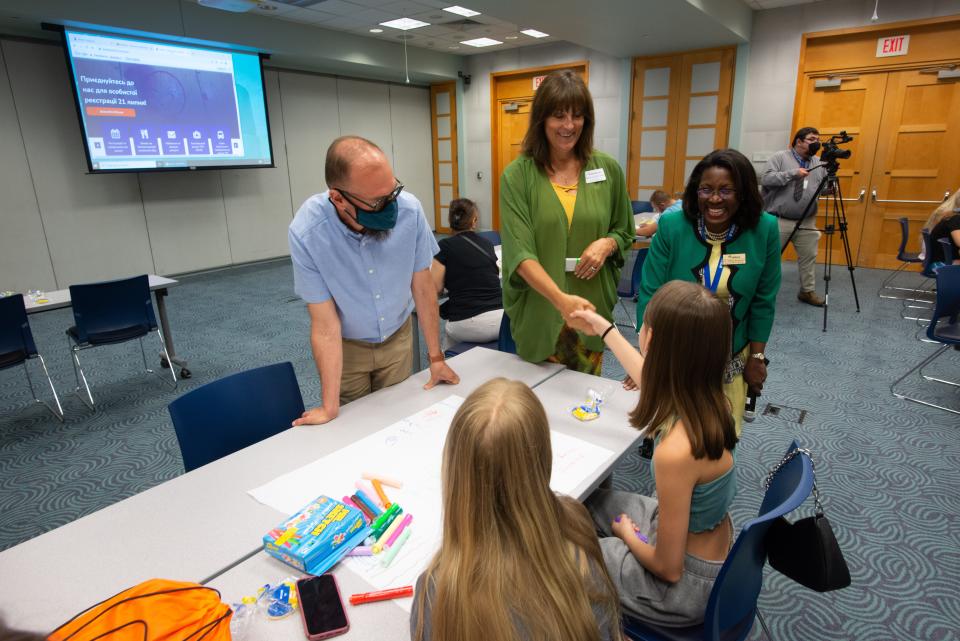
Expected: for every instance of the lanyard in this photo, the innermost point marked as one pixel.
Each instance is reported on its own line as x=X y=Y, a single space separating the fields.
x=713 y=283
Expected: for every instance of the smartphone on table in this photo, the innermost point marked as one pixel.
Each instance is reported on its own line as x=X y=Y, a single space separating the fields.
x=321 y=606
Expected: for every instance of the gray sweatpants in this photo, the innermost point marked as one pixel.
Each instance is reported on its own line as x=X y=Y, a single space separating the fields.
x=643 y=595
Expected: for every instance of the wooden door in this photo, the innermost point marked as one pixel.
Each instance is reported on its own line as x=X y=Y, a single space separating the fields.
x=511 y=97
x=513 y=122
x=855 y=107
x=446 y=172
x=917 y=161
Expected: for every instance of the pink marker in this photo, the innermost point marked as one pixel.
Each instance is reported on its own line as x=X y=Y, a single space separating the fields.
x=348 y=501
x=360 y=550
x=396 y=533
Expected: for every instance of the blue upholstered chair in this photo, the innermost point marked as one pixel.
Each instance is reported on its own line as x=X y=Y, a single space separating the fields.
x=505 y=342
x=944 y=329
x=235 y=412
x=17 y=347
x=641 y=206
x=732 y=606
x=111 y=312
x=491 y=235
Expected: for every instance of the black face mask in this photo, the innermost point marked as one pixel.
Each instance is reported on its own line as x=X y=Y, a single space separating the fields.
x=813 y=148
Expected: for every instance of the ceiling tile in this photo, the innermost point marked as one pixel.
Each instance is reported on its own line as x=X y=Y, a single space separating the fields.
x=307 y=16
x=272 y=9
x=338 y=7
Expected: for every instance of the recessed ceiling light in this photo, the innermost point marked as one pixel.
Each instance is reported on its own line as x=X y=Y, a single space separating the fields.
x=376 y=31
x=533 y=33
x=481 y=42
x=405 y=23
x=510 y=37
x=462 y=11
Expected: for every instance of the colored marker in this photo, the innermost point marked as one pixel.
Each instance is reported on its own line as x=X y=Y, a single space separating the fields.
x=396 y=533
x=378 y=546
x=379 y=490
x=389 y=555
x=636 y=531
x=363 y=508
x=384 y=480
x=369 y=503
x=367 y=491
x=381 y=595
x=384 y=519
x=360 y=550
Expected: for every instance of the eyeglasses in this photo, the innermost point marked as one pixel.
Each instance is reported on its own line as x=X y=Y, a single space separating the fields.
x=707 y=192
x=379 y=203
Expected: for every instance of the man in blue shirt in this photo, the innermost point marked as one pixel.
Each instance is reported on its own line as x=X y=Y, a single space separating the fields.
x=361 y=256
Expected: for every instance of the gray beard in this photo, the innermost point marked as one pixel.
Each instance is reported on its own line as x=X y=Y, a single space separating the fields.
x=376 y=234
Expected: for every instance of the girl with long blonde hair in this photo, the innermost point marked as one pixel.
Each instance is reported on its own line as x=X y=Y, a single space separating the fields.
x=665 y=553
x=944 y=222
x=516 y=561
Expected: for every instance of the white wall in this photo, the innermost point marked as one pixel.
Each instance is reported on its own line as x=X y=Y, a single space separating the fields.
x=609 y=83
x=60 y=225
x=775 y=56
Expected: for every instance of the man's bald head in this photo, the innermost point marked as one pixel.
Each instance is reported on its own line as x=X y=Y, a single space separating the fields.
x=348 y=153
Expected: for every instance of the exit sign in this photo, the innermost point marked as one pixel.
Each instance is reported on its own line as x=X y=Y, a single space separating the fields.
x=892 y=46
x=536 y=81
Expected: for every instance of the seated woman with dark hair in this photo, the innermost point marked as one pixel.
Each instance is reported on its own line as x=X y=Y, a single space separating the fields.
x=467 y=267
x=724 y=240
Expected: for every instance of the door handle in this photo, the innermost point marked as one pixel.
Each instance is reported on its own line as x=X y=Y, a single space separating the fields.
x=873 y=194
x=858 y=199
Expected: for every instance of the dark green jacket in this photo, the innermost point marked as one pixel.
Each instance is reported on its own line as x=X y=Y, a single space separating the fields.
x=533 y=225
x=678 y=253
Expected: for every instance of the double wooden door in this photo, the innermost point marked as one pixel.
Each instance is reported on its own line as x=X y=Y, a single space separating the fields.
x=905 y=154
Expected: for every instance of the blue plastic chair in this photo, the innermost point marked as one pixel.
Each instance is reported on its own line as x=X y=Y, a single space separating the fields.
x=629 y=283
x=491 y=235
x=641 y=206
x=111 y=312
x=906 y=258
x=235 y=412
x=928 y=269
x=944 y=329
x=732 y=606
x=948 y=248
x=17 y=347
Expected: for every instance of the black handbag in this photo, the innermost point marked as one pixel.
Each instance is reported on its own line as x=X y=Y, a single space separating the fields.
x=807 y=550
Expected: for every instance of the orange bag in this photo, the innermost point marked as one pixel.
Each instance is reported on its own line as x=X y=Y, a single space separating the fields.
x=155 y=610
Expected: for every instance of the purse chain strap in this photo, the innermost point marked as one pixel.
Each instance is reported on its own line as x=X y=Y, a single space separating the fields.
x=789 y=456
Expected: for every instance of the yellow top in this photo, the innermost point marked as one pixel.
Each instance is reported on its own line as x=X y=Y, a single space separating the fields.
x=568 y=198
x=722 y=292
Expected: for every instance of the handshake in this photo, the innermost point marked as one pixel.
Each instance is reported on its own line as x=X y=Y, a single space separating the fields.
x=580 y=314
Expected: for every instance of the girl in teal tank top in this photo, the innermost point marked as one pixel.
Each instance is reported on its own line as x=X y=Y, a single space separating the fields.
x=664 y=553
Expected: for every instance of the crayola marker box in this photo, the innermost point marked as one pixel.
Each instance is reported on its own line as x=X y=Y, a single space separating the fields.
x=317 y=536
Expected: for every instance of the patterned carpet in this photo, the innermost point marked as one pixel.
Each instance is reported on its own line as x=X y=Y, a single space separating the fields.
x=887 y=468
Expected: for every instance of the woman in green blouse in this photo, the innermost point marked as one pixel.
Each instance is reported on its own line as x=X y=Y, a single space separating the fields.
x=725 y=241
x=560 y=200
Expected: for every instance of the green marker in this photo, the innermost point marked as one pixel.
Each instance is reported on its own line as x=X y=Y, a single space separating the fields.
x=384 y=520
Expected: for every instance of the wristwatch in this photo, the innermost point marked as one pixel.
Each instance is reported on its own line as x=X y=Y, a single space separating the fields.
x=438 y=358
x=759 y=356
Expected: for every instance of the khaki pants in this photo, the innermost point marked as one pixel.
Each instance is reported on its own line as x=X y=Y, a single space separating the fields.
x=368 y=367
x=805 y=244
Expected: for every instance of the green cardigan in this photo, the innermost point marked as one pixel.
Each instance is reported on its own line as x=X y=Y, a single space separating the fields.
x=533 y=225
x=677 y=253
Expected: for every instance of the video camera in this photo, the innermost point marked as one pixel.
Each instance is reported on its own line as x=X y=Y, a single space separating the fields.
x=831 y=150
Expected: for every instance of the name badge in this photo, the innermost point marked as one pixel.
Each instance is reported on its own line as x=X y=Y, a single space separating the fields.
x=595 y=175
x=805 y=182
x=734 y=259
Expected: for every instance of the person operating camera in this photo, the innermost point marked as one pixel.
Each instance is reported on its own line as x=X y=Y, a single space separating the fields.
x=789 y=185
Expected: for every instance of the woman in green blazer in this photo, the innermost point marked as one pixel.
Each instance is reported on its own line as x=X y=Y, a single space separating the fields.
x=559 y=200
x=725 y=241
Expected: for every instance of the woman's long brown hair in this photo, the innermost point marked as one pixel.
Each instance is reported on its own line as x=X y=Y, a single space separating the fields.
x=561 y=90
x=682 y=376
x=515 y=560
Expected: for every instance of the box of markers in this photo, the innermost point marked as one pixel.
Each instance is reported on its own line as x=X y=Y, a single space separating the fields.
x=317 y=536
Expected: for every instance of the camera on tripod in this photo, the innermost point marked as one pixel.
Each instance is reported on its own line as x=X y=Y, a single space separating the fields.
x=831 y=149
